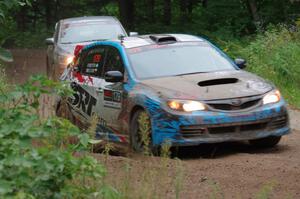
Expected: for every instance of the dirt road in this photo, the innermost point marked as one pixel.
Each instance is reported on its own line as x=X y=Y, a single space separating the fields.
x=231 y=170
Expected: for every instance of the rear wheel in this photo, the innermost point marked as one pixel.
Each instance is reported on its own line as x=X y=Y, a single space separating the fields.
x=141 y=132
x=267 y=142
x=63 y=111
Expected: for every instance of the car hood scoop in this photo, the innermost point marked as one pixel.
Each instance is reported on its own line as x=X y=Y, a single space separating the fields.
x=213 y=82
x=210 y=86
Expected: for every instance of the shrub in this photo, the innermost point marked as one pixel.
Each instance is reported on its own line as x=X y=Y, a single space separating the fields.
x=36 y=161
x=274 y=55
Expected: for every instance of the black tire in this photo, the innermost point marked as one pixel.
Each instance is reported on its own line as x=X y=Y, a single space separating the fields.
x=141 y=133
x=267 y=142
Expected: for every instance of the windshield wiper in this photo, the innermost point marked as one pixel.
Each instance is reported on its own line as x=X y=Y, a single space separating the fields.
x=84 y=41
x=190 y=73
x=93 y=40
x=68 y=42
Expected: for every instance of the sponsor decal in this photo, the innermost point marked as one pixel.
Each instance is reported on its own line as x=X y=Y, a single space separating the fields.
x=79 y=77
x=82 y=100
x=97 y=58
x=112 y=98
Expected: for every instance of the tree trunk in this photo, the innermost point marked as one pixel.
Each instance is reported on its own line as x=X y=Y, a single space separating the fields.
x=126 y=9
x=21 y=18
x=167 y=12
x=190 y=6
x=183 y=10
x=151 y=4
x=254 y=11
x=48 y=16
x=204 y=3
x=56 y=11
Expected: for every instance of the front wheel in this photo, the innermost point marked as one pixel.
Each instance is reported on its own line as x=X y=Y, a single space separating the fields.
x=141 y=132
x=267 y=142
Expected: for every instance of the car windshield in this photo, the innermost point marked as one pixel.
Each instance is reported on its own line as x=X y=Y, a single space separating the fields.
x=77 y=32
x=177 y=59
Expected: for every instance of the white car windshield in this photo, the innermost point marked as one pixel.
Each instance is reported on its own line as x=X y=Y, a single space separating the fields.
x=89 y=31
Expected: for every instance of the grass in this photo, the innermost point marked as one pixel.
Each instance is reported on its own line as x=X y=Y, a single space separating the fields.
x=275 y=56
x=266 y=190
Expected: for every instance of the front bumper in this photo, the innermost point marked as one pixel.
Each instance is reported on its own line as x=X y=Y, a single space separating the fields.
x=183 y=129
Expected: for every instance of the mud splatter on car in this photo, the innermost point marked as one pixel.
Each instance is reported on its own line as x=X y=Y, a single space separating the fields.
x=190 y=90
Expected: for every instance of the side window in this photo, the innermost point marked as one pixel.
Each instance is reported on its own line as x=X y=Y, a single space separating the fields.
x=113 y=60
x=92 y=61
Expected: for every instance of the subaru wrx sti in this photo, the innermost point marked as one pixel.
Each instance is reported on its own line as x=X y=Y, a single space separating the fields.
x=174 y=88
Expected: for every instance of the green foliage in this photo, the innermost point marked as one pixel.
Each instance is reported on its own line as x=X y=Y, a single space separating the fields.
x=36 y=159
x=5 y=55
x=266 y=190
x=5 y=6
x=217 y=19
x=274 y=55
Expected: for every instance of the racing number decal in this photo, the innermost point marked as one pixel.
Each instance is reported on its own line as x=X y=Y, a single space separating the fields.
x=112 y=98
x=82 y=99
x=97 y=58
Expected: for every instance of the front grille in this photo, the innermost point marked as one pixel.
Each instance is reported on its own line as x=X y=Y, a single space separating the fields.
x=228 y=106
x=221 y=130
x=192 y=131
x=278 y=123
x=237 y=128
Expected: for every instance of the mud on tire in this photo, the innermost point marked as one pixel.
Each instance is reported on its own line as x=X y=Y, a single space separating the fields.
x=141 y=133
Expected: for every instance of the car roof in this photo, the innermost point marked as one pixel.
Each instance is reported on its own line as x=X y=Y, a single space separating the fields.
x=144 y=40
x=91 y=18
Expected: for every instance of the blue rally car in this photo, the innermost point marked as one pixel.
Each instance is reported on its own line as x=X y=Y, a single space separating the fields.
x=171 y=88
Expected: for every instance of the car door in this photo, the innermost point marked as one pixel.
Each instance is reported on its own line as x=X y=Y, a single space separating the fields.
x=109 y=99
x=87 y=83
x=112 y=92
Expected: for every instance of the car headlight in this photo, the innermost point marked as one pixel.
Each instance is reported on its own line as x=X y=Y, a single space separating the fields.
x=272 y=97
x=65 y=59
x=69 y=59
x=186 y=105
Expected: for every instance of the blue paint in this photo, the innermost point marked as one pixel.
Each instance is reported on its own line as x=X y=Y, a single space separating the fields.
x=166 y=126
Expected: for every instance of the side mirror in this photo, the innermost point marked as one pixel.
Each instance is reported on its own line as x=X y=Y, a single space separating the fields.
x=113 y=76
x=49 y=41
x=133 y=34
x=241 y=63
